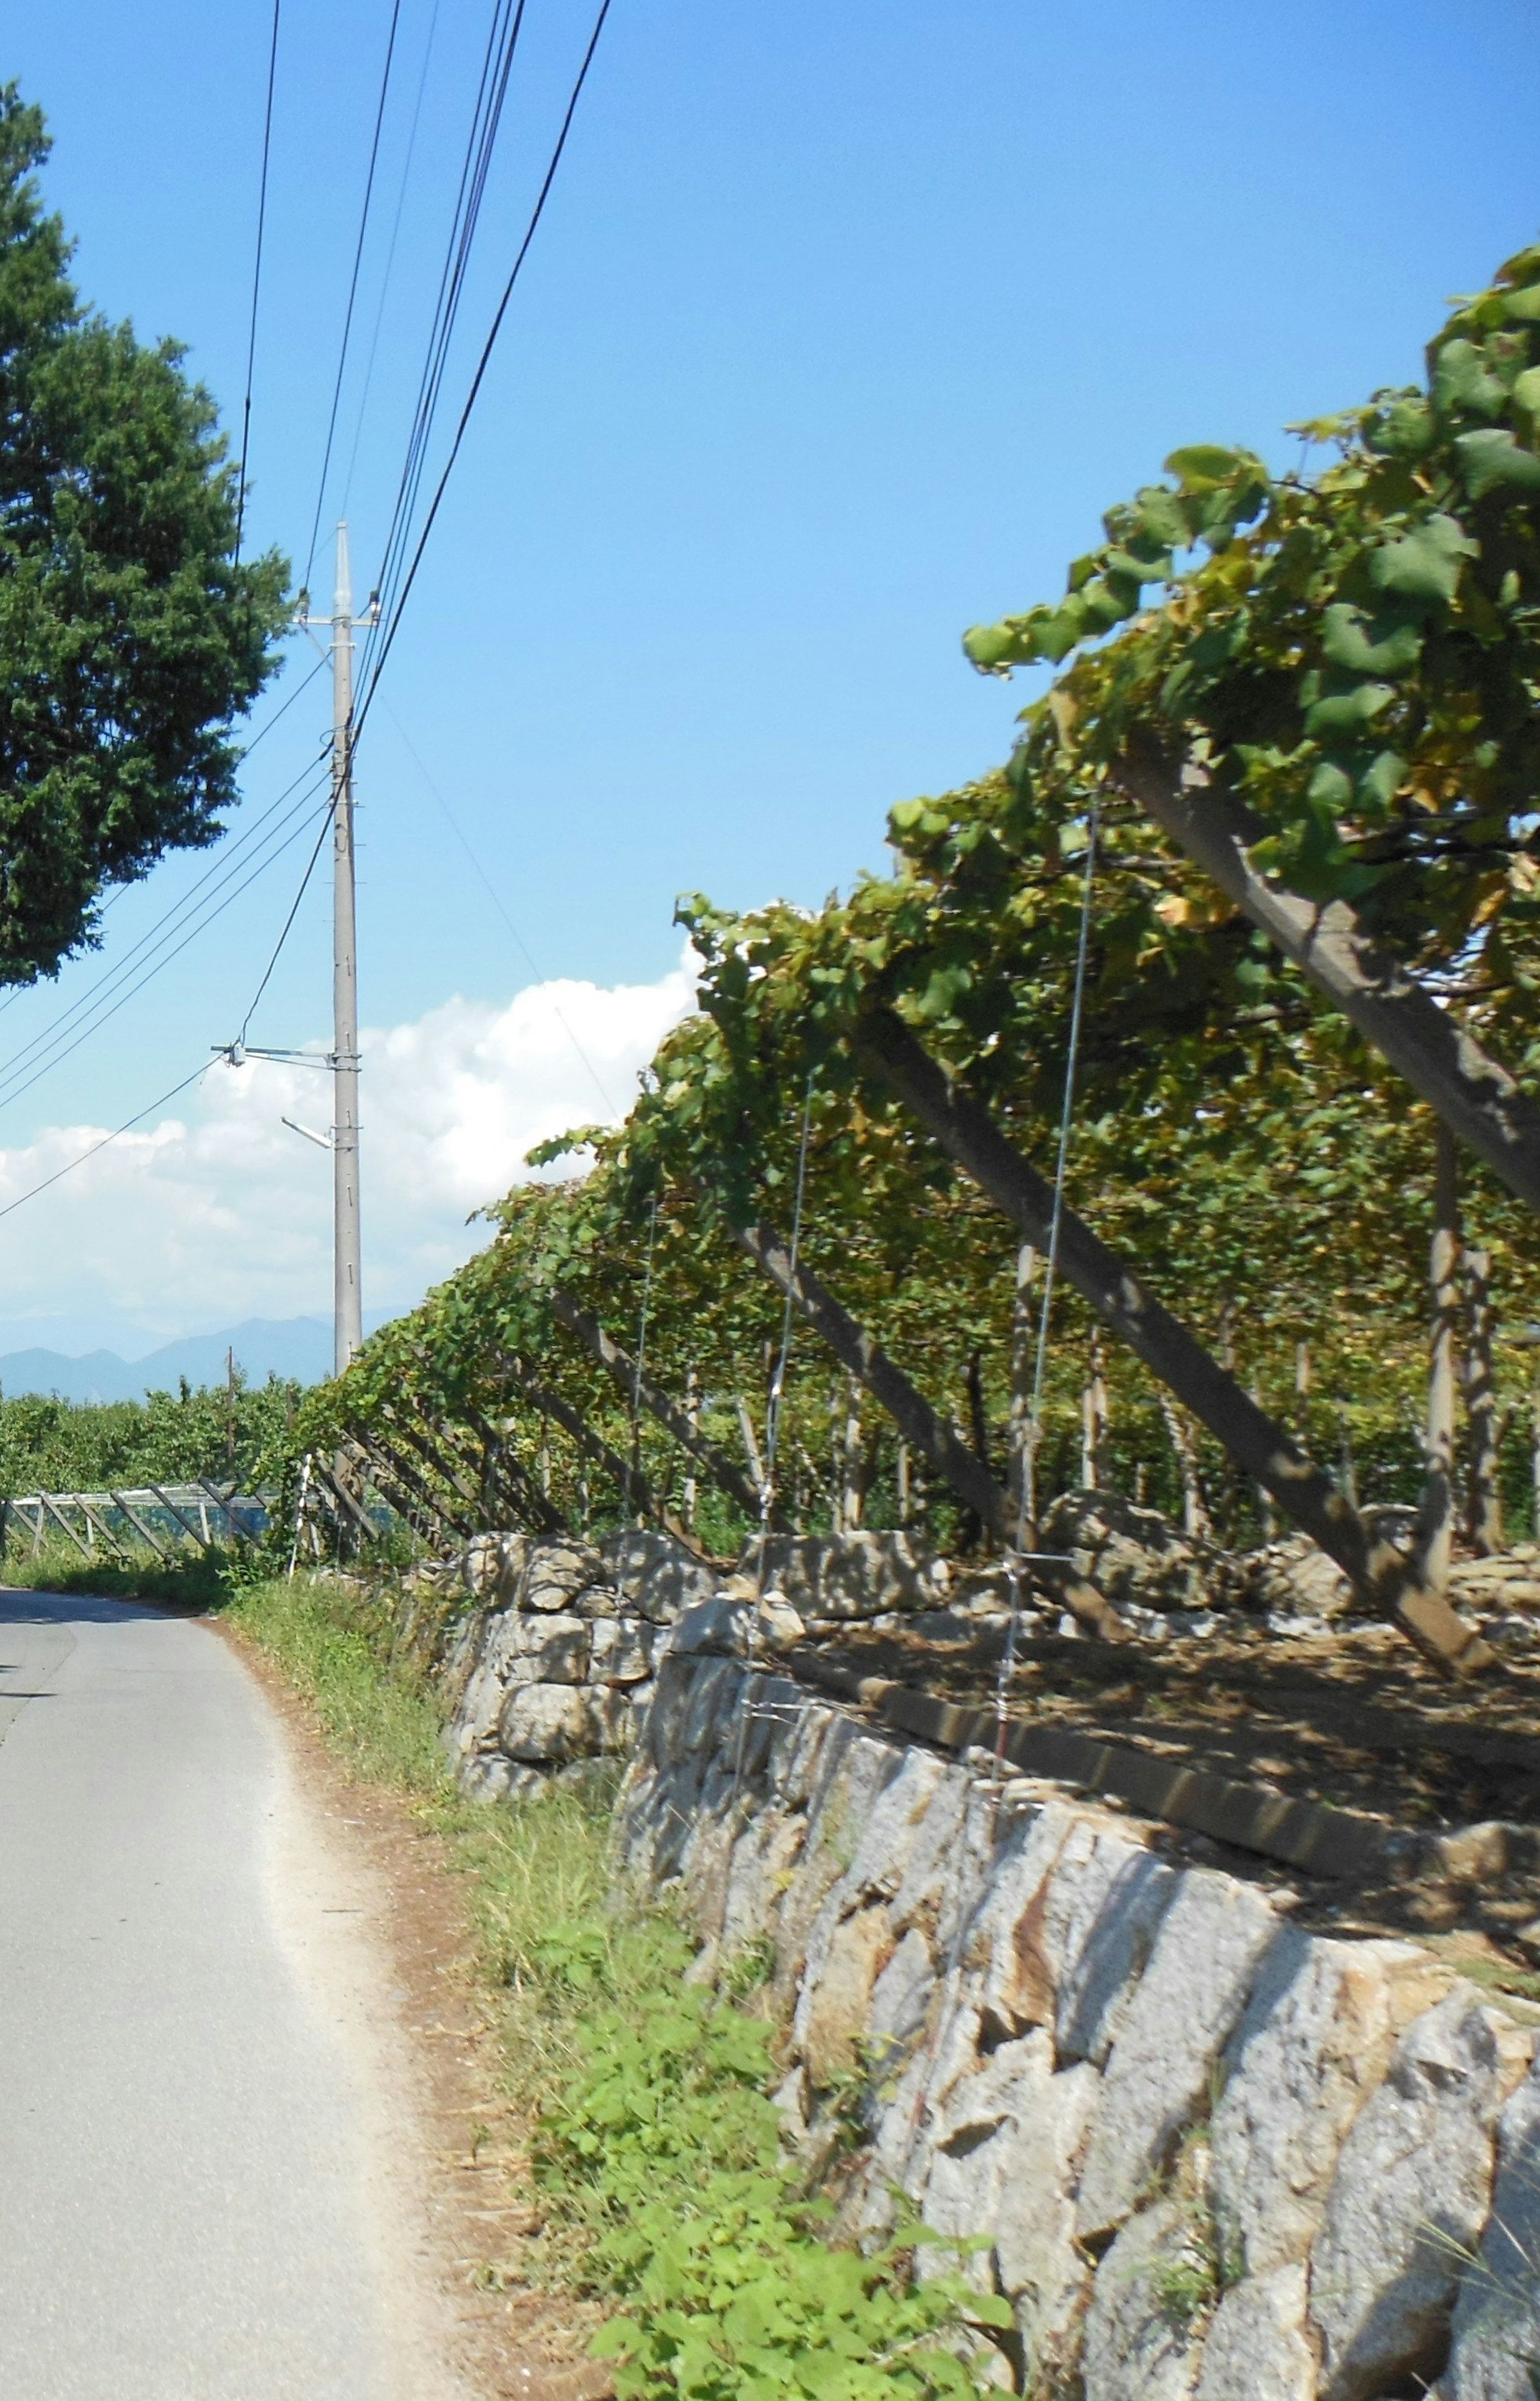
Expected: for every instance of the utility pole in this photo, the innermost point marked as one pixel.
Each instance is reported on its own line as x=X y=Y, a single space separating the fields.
x=346 y=1260
x=342 y=1142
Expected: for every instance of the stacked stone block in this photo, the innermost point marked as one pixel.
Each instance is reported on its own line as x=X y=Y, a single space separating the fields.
x=1216 y=2158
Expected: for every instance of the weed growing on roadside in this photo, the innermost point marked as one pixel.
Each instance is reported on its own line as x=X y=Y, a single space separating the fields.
x=193 y=1580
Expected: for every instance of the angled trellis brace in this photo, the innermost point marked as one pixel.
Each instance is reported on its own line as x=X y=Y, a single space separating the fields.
x=54 y=1511
x=98 y=1524
x=350 y=1505
x=431 y=1452
x=915 y=1420
x=186 y=1523
x=969 y=1134
x=401 y=1501
x=374 y=1441
x=1473 y=1092
x=571 y=1421
x=548 y=1519
x=507 y=1471
x=140 y=1527
x=643 y=1388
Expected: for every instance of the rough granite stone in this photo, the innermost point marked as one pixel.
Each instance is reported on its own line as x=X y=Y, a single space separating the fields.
x=623 y=1649
x=834 y=2015
x=1130 y=1554
x=1137 y=2345
x=1412 y=2193
x=970 y=2137
x=555 y=1572
x=547 y=1724
x=1006 y=1934
x=1037 y=2261
x=1258 y=2347
x=655 y=1574
x=901 y=1997
x=551 y=1650
x=1104 y=1909
x=1161 y=2073
x=1313 y=2044
x=1495 y=2353
x=846 y=1576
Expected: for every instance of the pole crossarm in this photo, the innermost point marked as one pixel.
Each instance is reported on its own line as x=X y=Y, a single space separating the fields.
x=1174 y=1356
x=1474 y=1093
x=637 y=1385
x=917 y=1421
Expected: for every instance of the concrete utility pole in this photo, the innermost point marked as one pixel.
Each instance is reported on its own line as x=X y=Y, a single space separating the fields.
x=347 y=1262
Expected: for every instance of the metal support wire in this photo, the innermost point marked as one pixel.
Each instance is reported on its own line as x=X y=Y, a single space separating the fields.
x=777 y=1386
x=1026 y=1522
x=634 y=1462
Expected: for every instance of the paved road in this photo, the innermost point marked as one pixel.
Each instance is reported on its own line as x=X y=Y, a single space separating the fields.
x=194 y=2170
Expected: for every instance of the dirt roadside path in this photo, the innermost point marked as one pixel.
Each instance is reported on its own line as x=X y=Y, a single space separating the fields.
x=394 y=1953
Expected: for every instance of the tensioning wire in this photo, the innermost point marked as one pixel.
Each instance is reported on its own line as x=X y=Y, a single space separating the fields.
x=778 y=1387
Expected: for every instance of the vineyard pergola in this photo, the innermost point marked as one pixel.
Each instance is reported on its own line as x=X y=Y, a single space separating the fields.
x=1286 y=771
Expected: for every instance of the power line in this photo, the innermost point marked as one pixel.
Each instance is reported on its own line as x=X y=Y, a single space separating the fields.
x=328 y=816
x=127 y=1126
x=352 y=287
x=390 y=259
x=120 y=891
x=105 y=1016
x=481 y=141
x=257 y=285
x=398 y=606
x=101 y=1002
x=496 y=899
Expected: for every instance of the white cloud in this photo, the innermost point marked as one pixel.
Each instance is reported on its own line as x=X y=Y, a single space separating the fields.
x=221 y=1212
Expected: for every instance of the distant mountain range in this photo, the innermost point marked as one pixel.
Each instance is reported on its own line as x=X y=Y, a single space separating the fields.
x=300 y=1347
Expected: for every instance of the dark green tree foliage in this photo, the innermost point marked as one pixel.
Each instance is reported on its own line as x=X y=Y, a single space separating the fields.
x=54 y=1446
x=129 y=635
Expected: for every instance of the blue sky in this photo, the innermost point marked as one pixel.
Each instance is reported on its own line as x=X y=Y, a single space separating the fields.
x=843 y=326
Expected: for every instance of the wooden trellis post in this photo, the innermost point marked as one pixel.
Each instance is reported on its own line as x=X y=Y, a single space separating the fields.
x=1172 y=1354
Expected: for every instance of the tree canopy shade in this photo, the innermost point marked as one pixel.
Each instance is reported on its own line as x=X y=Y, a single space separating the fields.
x=131 y=635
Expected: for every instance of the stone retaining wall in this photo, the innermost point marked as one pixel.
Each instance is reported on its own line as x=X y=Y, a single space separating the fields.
x=1215 y=2156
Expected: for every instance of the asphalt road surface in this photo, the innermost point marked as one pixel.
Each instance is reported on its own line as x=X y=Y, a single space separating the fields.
x=199 y=2154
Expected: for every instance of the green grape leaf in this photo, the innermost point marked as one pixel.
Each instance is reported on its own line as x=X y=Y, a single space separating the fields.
x=1348 y=641
x=1492 y=459
x=1423 y=564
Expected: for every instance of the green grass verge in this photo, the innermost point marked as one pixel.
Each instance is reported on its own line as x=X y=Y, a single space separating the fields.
x=189 y=1580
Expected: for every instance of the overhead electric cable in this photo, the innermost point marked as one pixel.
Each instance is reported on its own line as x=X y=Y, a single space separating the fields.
x=390 y=260
x=328 y=815
x=127 y=1126
x=56 y=1059
x=230 y=862
x=481 y=142
x=352 y=288
x=120 y=891
x=495 y=898
x=256 y=286
x=392 y=629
